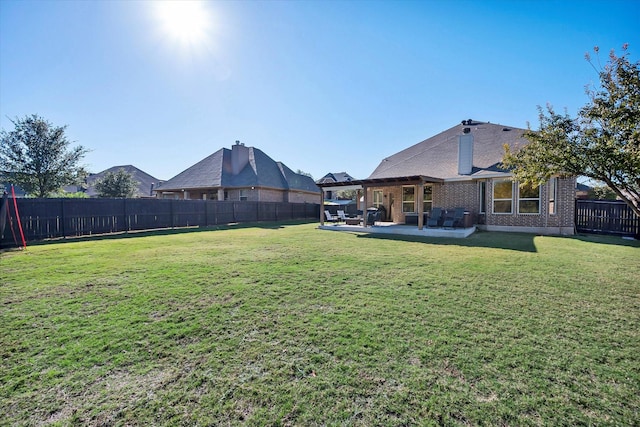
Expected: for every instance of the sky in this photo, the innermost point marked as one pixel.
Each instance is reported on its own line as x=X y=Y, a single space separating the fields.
x=322 y=86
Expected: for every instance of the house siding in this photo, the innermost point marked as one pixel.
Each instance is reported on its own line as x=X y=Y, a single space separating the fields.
x=457 y=195
x=466 y=194
x=560 y=223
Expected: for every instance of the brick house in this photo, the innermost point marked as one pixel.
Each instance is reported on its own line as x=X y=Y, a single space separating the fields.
x=460 y=168
x=240 y=173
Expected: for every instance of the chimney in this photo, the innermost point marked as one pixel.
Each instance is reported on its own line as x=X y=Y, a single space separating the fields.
x=239 y=157
x=465 y=154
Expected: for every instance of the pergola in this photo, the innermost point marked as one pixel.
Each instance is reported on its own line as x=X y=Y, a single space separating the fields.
x=362 y=184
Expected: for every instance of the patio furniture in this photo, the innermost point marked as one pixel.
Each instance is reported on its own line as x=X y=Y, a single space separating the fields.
x=373 y=216
x=455 y=219
x=412 y=218
x=342 y=216
x=330 y=218
x=353 y=221
x=435 y=219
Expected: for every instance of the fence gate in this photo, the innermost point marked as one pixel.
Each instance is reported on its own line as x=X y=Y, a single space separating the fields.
x=606 y=217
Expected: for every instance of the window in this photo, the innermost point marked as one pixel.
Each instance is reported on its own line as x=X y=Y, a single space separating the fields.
x=529 y=200
x=553 y=190
x=428 y=198
x=226 y=195
x=243 y=195
x=503 y=197
x=482 y=189
x=377 y=198
x=408 y=199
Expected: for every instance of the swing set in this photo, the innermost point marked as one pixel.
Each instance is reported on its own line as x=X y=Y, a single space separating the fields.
x=6 y=219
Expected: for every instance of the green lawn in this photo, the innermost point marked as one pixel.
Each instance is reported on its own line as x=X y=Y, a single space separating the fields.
x=290 y=325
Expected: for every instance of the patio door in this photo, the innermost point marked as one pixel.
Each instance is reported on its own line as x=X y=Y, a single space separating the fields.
x=390 y=207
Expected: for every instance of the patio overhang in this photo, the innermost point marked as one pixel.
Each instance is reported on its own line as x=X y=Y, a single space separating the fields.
x=383 y=182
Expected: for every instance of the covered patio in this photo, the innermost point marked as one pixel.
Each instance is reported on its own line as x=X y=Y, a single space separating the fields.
x=401 y=229
x=410 y=224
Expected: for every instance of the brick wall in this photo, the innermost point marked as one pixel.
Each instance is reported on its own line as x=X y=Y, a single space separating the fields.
x=466 y=194
x=563 y=218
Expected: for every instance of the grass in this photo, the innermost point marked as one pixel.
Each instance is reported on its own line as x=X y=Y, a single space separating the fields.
x=290 y=325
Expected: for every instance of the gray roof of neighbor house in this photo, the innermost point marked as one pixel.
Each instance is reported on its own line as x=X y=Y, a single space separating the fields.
x=216 y=171
x=437 y=157
x=144 y=180
x=335 y=177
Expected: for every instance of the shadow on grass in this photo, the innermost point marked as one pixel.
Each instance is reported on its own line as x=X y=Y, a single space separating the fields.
x=523 y=242
x=161 y=232
x=608 y=240
x=511 y=241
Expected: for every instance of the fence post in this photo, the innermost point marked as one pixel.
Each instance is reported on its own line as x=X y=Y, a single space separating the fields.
x=62 y=219
x=171 y=212
x=126 y=220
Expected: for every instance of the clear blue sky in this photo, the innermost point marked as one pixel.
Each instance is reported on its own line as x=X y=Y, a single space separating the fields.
x=326 y=86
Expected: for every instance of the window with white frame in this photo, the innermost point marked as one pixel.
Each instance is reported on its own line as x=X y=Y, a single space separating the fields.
x=377 y=198
x=408 y=199
x=553 y=191
x=243 y=195
x=529 y=199
x=503 y=197
x=427 y=201
x=482 y=190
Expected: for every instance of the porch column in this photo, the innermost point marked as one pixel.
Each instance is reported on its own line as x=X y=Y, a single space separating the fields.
x=420 y=201
x=364 y=208
x=321 y=206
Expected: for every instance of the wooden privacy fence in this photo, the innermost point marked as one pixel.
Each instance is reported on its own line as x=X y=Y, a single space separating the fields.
x=606 y=217
x=52 y=218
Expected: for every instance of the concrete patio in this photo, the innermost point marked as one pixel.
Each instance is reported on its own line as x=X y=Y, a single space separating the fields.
x=401 y=229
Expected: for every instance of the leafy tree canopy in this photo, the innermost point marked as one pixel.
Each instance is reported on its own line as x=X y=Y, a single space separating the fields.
x=117 y=184
x=602 y=143
x=36 y=156
x=301 y=172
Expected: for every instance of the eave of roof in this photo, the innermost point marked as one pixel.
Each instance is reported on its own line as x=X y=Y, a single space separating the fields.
x=400 y=180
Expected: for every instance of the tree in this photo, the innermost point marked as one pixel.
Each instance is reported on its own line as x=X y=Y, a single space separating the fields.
x=347 y=194
x=36 y=156
x=117 y=184
x=602 y=143
x=601 y=192
x=301 y=172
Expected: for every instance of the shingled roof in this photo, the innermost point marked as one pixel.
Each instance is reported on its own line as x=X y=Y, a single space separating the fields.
x=144 y=180
x=437 y=157
x=335 y=177
x=215 y=171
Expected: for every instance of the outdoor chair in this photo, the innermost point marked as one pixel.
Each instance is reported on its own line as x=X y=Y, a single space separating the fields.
x=373 y=216
x=330 y=218
x=455 y=220
x=435 y=218
x=342 y=216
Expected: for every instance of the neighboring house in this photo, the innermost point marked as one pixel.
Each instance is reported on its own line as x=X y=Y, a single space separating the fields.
x=582 y=191
x=331 y=193
x=242 y=173
x=146 y=182
x=461 y=168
